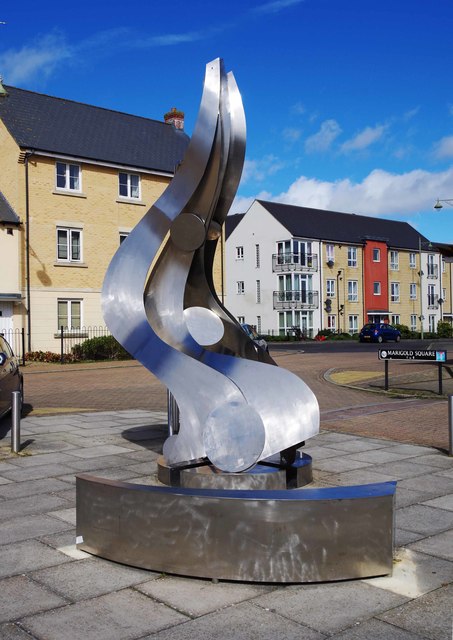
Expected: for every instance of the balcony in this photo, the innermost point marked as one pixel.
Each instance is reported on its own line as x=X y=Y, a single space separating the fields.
x=286 y=300
x=283 y=262
x=431 y=270
x=433 y=301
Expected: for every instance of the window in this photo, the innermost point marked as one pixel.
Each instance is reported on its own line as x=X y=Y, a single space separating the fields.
x=241 y=319
x=69 y=314
x=443 y=266
x=444 y=294
x=412 y=260
x=352 y=256
x=332 y=322
x=68 y=176
x=240 y=288
x=123 y=236
x=395 y=291
x=330 y=288
x=239 y=253
x=377 y=288
x=353 y=295
x=376 y=255
x=258 y=324
x=413 y=322
x=413 y=291
x=432 y=297
x=432 y=323
x=257 y=256
x=395 y=319
x=330 y=253
x=394 y=260
x=258 y=291
x=129 y=185
x=353 y=324
x=69 y=245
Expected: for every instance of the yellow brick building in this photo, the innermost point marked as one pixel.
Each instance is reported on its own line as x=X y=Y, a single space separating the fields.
x=74 y=180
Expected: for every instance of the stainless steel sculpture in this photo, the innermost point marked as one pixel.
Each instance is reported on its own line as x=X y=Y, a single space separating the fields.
x=158 y=298
x=237 y=408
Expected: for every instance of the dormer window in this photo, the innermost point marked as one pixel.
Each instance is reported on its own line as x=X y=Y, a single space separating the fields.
x=68 y=176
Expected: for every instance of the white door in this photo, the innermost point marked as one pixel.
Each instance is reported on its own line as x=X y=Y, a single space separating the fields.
x=6 y=317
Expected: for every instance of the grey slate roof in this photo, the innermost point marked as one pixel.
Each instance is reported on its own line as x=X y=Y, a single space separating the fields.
x=7 y=213
x=232 y=222
x=337 y=227
x=59 y=126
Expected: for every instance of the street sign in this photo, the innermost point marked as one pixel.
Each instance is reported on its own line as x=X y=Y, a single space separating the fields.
x=413 y=354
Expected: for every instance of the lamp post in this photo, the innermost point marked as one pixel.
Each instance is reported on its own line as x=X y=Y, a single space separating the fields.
x=438 y=205
x=420 y=273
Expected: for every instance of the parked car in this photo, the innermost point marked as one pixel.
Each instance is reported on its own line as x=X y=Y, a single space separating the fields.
x=257 y=339
x=10 y=376
x=379 y=332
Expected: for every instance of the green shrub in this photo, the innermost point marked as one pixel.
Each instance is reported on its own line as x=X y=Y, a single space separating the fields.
x=344 y=336
x=404 y=330
x=444 y=330
x=102 y=348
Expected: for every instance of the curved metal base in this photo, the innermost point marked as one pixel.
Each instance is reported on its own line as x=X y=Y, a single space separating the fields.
x=269 y=475
x=305 y=535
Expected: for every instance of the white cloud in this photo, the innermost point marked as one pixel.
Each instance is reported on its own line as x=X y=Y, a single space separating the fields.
x=379 y=193
x=297 y=109
x=364 y=138
x=323 y=139
x=291 y=134
x=258 y=170
x=39 y=59
x=275 y=6
x=444 y=148
x=411 y=113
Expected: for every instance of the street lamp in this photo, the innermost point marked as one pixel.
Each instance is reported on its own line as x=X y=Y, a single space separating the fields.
x=439 y=204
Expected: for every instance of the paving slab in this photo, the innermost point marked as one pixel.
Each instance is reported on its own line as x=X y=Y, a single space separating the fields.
x=433 y=485
x=17 y=507
x=20 y=557
x=376 y=630
x=378 y=456
x=122 y=615
x=198 y=597
x=31 y=487
x=444 y=502
x=101 y=450
x=330 y=608
x=429 y=616
x=425 y=520
x=11 y=631
x=36 y=472
x=90 y=578
x=440 y=545
x=67 y=515
x=404 y=538
x=242 y=622
x=339 y=464
x=28 y=527
x=21 y=596
x=408 y=469
x=43 y=459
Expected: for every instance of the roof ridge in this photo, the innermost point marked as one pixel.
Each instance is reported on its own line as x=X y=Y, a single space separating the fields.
x=84 y=104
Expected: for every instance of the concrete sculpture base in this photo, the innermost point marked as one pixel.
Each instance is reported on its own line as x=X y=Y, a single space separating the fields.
x=304 y=535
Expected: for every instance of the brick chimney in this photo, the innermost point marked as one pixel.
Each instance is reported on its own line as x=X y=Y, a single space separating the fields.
x=176 y=117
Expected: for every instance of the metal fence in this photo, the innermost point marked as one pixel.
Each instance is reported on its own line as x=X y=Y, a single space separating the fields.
x=68 y=338
x=16 y=339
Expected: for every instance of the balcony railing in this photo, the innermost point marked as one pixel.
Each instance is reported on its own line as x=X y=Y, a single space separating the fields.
x=433 y=301
x=296 y=300
x=431 y=270
x=294 y=262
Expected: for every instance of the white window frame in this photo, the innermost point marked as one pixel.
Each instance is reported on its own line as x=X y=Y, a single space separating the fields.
x=332 y=322
x=353 y=290
x=330 y=288
x=377 y=288
x=240 y=288
x=239 y=253
x=376 y=252
x=69 y=232
x=443 y=266
x=330 y=252
x=130 y=188
x=394 y=260
x=70 y=303
x=432 y=323
x=396 y=318
x=353 y=322
x=67 y=177
x=394 y=291
x=412 y=261
x=352 y=256
x=412 y=291
x=444 y=294
x=241 y=319
x=413 y=322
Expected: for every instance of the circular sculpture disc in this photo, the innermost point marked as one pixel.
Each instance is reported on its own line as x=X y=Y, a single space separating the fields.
x=234 y=437
x=204 y=325
x=188 y=232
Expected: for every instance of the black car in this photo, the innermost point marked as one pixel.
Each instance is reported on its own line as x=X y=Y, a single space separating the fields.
x=10 y=376
x=379 y=332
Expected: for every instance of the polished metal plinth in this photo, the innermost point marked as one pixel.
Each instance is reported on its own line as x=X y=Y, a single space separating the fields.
x=270 y=475
x=304 y=535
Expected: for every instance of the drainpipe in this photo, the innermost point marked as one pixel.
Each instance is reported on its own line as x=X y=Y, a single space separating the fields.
x=25 y=157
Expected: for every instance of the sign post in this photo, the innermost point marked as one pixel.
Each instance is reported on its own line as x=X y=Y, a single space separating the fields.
x=414 y=355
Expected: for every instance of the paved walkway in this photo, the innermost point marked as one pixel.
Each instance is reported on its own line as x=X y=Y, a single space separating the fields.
x=49 y=590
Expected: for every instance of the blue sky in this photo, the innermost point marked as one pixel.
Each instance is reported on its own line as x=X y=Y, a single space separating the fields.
x=349 y=103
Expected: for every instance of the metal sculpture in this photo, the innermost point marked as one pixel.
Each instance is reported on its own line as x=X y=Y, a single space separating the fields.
x=159 y=301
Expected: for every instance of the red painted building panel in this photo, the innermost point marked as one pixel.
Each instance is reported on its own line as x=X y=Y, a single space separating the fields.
x=375 y=270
